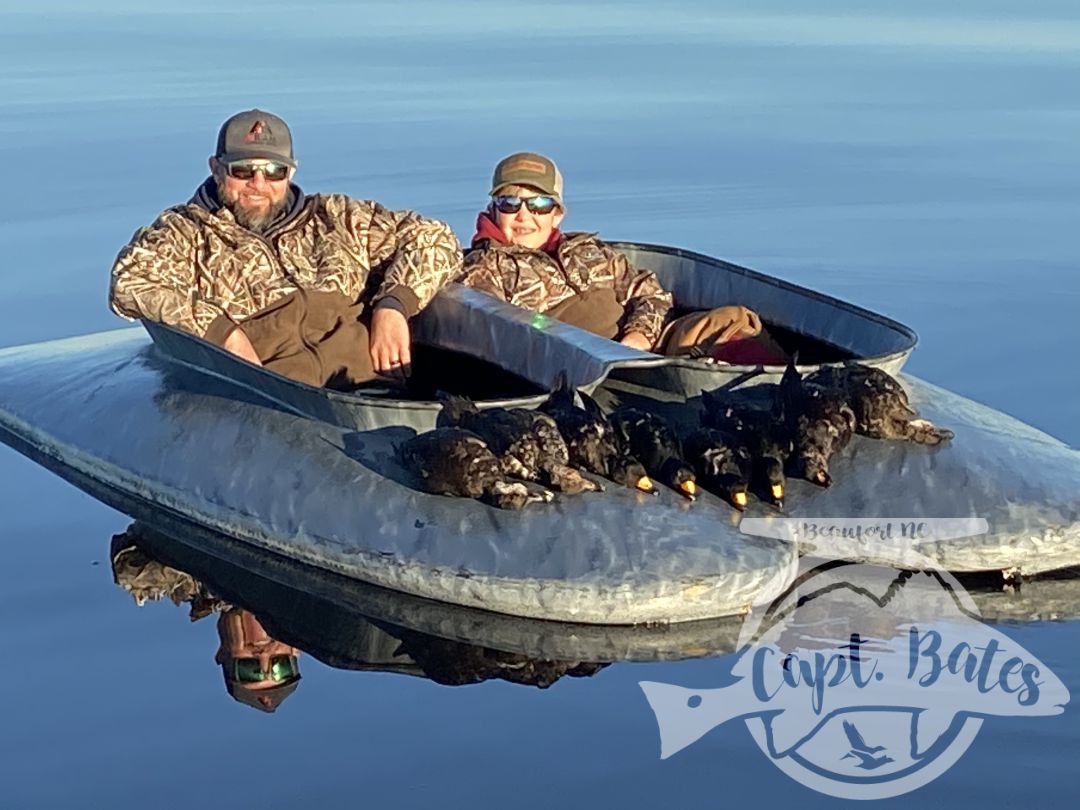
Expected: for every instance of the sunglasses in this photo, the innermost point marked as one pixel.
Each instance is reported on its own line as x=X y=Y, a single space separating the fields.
x=538 y=205
x=249 y=670
x=245 y=170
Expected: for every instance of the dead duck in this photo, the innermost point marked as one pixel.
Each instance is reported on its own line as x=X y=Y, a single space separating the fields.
x=649 y=439
x=821 y=423
x=881 y=405
x=453 y=461
x=629 y=472
x=528 y=443
x=755 y=426
x=590 y=440
x=721 y=469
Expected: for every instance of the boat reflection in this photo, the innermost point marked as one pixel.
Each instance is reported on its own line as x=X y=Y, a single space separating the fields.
x=271 y=610
x=265 y=626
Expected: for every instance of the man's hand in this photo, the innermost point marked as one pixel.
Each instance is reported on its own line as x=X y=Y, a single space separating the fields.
x=389 y=342
x=239 y=344
x=636 y=340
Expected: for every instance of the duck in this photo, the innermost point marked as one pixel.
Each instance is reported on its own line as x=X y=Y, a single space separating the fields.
x=454 y=461
x=881 y=405
x=755 y=425
x=629 y=472
x=590 y=440
x=527 y=442
x=648 y=438
x=821 y=424
x=721 y=468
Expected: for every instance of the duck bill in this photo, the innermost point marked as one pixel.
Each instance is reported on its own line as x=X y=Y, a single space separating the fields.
x=777 y=492
x=739 y=500
x=645 y=484
x=688 y=489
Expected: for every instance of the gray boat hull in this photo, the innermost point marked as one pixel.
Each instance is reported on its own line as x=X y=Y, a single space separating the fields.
x=114 y=417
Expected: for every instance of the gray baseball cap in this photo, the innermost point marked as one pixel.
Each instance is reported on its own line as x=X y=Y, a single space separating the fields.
x=255 y=134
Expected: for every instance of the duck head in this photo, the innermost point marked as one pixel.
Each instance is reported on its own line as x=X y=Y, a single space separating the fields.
x=629 y=472
x=772 y=472
x=675 y=474
x=812 y=467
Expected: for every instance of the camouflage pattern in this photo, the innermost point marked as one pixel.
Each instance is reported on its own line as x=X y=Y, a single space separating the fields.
x=192 y=266
x=539 y=281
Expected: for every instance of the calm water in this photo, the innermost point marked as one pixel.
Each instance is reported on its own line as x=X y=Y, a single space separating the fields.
x=919 y=160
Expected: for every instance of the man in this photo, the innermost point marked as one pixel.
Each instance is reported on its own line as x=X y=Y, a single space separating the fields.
x=519 y=255
x=318 y=288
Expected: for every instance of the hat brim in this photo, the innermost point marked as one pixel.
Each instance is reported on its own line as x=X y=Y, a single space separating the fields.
x=255 y=154
x=251 y=697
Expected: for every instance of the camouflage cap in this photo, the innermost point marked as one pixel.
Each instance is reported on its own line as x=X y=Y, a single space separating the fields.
x=255 y=134
x=528 y=169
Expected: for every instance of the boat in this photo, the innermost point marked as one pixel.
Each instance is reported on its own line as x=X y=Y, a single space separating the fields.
x=502 y=355
x=164 y=426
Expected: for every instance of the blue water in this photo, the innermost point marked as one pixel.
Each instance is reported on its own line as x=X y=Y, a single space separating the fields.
x=918 y=159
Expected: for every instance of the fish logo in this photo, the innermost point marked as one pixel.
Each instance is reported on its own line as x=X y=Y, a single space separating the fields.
x=864 y=682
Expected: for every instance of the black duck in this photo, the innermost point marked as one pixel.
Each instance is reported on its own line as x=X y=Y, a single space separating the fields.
x=453 y=461
x=753 y=422
x=590 y=440
x=528 y=443
x=650 y=440
x=880 y=404
x=721 y=469
x=821 y=423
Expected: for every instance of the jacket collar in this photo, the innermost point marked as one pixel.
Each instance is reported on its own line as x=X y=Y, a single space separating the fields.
x=206 y=198
x=488 y=231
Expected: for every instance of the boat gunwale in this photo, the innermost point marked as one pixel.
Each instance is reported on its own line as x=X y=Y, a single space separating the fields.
x=351 y=400
x=782 y=284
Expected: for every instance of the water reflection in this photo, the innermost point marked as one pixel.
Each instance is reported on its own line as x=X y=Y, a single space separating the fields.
x=271 y=612
x=259 y=670
x=264 y=628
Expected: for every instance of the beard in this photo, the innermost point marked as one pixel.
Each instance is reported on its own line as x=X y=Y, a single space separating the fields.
x=254 y=219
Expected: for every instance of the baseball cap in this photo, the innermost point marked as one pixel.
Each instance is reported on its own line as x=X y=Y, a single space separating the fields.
x=529 y=169
x=255 y=134
x=265 y=700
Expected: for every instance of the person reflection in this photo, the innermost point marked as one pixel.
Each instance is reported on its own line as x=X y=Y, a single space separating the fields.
x=259 y=671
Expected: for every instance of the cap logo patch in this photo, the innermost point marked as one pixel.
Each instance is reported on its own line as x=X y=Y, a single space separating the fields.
x=527 y=165
x=258 y=134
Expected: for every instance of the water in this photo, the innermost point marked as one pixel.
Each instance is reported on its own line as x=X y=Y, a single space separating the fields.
x=918 y=160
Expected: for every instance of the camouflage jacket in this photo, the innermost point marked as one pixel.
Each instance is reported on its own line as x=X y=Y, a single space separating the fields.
x=196 y=268
x=538 y=281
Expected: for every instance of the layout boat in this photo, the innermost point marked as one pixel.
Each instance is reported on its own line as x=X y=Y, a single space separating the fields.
x=163 y=425
x=502 y=355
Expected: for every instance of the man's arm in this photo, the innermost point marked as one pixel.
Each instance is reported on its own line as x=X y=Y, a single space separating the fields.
x=423 y=255
x=154 y=278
